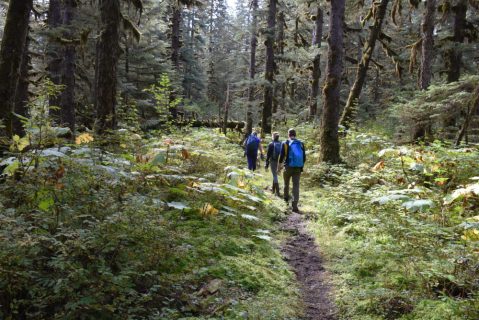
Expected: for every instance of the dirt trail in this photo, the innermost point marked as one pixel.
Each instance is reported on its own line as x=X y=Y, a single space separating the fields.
x=302 y=254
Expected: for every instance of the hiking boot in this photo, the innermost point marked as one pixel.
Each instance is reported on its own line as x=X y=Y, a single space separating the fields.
x=276 y=189
x=273 y=189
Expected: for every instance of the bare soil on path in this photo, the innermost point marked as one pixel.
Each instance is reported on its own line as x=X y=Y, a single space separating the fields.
x=302 y=254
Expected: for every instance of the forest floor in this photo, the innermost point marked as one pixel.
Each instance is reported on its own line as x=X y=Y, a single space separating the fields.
x=173 y=227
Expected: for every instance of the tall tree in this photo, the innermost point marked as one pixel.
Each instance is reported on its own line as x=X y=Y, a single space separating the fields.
x=252 y=66
x=328 y=135
x=454 y=54
x=269 y=71
x=427 y=47
x=54 y=48
x=107 y=62
x=422 y=126
x=13 y=44
x=378 y=13
x=22 y=93
x=176 y=33
x=67 y=97
x=316 y=72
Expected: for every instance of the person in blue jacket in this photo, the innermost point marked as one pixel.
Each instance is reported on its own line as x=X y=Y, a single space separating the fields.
x=292 y=157
x=252 y=146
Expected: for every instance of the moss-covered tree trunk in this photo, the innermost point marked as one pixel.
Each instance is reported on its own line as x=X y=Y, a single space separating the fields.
x=269 y=71
x=252 y=66
x=363 y=65
x=328 y=135
x=454 y=54
x=13 y=43
x=107 y=62
x=316 y=73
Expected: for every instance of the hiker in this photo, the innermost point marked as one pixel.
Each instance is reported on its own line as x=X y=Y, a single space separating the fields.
x=272 y=157
x=293 y=157
x=252 y=145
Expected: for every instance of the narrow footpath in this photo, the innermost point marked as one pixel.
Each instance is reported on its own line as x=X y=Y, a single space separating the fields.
x=302 y=254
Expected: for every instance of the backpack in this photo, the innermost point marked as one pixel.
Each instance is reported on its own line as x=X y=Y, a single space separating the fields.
x=276 y=150
x=252 y=145
x=295 y=154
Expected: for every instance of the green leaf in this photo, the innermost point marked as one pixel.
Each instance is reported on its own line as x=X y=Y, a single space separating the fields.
x=46 y=204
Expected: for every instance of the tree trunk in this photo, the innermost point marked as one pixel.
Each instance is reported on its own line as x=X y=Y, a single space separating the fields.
x=67 y=101
x=176 y=35
x=328 y=139
x=108 y=54
x=472 y=110
x=279 y=39
x=454 y=54
x=22 y=95
x=54 y=52
x=252 y=66
x=11 y=53
x=226 y=109
x=427 y=50
x=421 y=128
x=362 y=69
x=269 y=72
x=316 y=73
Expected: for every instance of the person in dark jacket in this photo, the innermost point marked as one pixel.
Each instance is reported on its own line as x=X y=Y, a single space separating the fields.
x=293 y=158
x=272 y=157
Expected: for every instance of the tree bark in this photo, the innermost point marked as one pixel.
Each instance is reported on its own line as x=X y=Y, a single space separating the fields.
x=67 y=98
x=454 y=54
x=269 y=72
x=363 y=66
x=11 y=53
x=176 y=35
x=107 y=63
x=422 y=127
x=226 y=109
x=427 y=50
x=316 y=73
x=279 y=39
x=328 y=135
x=22 y=95
x=54 y=52
x=252 y=66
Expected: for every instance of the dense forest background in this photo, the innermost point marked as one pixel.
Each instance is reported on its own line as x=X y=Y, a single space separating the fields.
x=123 y=193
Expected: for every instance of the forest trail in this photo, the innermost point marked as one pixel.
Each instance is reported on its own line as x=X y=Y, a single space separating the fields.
x=302 y=254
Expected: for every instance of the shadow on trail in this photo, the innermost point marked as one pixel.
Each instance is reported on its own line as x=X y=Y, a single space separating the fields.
x=302 y=254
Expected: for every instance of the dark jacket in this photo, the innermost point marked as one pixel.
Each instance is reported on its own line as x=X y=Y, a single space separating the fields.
x=270 y=152
x=283 y=158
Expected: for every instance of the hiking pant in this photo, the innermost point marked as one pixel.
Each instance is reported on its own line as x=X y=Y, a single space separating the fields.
x=274 y=170
x=252 y=161
x=292 y=174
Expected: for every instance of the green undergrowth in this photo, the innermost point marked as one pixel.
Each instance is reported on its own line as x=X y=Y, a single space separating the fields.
x=165 y=228
x=399 y=228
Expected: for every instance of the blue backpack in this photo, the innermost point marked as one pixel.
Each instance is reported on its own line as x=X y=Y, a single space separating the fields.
x=252 y=145
x=276 y=150
x=295 y=154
